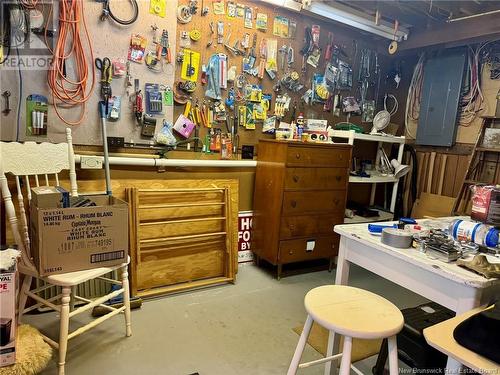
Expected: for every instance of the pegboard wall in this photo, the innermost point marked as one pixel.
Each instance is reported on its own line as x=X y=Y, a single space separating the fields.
x=109 y=39
x=351 y=41
x=112 y=40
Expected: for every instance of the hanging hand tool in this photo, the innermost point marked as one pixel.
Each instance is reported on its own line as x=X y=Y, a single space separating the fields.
x=364 y=64
x=245 y=42
x=263 y=49
x=191 y=116
x=329 y=48
x=213 y=85
x=328 y=106
x=308 y=42
x=138 y=109
x=104 y=65
x=203 y=115
x=283 y=51
x=228 y=37
x=212 y=32
x=290 y=55
x=165 y=47
x=254 y=45
x=294 y=111
x=197 y=112
x=237 y=49
x=303 y=67
x=154 y=27
x=196 y=139
x=220 y=32
x=204 y=9
x=234 y=50
x=307 y=48
x=187 y=108
x=210 y=118
x=128 y=79
x=190 y=68
x=6 y=95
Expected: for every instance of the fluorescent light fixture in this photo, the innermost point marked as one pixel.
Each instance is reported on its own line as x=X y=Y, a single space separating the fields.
x=294 y=5
x=359 y=20
x=278 y=3
x=288 y=4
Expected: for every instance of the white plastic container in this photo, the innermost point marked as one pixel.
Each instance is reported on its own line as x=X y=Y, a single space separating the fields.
x=481 y=234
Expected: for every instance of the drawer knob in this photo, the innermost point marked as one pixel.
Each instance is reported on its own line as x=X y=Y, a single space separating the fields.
x=293 y=203
x=336 y=202
x=291 y=226
x=290 y=252
x=338 y=178
x=295 y=178
x=297 y=155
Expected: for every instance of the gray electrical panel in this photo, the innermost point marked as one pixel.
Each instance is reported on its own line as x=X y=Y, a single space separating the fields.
x=443 y=76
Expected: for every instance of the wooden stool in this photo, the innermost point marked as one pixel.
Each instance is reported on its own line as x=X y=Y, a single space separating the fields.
x=350 y=312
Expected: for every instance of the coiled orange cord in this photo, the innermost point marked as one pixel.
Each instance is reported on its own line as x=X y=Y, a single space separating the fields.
x=68 y=92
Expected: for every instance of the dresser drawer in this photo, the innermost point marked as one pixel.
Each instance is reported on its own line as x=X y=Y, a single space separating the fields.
x=309 y=248
x=309 y=225
x=316 y=178
x=317 y=156
x=297 y=202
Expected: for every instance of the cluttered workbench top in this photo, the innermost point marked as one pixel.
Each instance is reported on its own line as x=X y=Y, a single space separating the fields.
x=360 y=233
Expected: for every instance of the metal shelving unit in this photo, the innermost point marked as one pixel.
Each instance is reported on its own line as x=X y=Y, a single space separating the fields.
x=377 y=178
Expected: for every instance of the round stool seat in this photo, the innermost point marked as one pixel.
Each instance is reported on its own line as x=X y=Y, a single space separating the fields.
x=353 y=312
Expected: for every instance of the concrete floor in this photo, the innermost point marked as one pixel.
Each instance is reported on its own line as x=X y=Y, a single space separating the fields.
x=241 y=329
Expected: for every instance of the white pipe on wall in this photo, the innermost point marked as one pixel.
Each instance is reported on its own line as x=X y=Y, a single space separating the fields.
x=146 y=162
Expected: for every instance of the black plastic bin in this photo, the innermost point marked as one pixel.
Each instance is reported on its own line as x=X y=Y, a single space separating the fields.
x=412 y=347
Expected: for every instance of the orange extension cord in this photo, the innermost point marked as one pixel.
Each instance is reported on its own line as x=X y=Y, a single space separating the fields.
x=71 y=92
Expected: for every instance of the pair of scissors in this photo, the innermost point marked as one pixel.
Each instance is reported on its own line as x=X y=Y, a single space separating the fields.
x=104 y=65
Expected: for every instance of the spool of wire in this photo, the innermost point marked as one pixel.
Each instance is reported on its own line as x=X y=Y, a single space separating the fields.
x=184 y=14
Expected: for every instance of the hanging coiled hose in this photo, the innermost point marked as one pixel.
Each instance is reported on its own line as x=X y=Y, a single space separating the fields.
x=5 y=36
x=107 y=12
x=72 y=46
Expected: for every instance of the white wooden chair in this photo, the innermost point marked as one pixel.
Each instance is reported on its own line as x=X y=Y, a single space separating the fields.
x=27 y=162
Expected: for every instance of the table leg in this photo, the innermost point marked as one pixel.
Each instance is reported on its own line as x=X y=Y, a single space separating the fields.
x=343 y=265
x=341 y=278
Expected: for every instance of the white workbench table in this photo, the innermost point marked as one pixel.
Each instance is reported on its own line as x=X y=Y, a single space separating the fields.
x=445 y=283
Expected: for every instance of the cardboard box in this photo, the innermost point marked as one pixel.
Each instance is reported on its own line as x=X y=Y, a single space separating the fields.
x=49 y=196
x=8 y=316
x=80 y=238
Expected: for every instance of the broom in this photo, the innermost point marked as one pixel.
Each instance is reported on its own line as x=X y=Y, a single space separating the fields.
x=116 y=302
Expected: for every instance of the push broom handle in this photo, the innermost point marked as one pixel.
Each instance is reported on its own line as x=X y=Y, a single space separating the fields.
x=102 y=111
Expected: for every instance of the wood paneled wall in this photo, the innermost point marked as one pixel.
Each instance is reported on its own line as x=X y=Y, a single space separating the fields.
x=440 y=172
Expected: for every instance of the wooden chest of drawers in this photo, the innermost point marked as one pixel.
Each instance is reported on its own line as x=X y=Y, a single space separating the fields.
x=300 y=194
